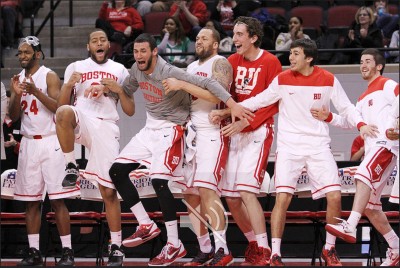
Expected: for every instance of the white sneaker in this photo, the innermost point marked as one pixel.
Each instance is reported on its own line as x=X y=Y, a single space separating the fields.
x=342 y=230
x=392 y=257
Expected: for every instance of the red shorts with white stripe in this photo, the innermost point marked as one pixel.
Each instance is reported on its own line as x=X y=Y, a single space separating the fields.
x=374 y=171
x=247 y=161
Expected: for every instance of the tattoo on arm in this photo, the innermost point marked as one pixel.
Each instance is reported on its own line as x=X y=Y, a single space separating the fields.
x=222 y=72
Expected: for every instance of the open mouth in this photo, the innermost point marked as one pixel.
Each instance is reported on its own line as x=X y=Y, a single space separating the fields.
x=238 y=46
x=141 y=62
x=100 y=52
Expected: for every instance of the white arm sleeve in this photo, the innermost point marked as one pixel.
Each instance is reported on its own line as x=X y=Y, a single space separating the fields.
x=265 y=98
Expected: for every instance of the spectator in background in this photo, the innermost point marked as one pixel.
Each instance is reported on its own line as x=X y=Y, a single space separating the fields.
x=284 y=40
x=385 y=21
x=9 y=15
x=245 y=7
x=363 y=33
x=142 y=6
x=224 y=14
x=193 y=15
x=3 y=115
x=161 y=6
x=174 y=40
x=394 y=43
x=357 y=149
x=121 y=22
x=226 y=43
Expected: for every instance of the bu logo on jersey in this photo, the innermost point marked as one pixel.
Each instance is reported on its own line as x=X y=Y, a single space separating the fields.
x=370 y=102
x=246 y=79
x=317 y=96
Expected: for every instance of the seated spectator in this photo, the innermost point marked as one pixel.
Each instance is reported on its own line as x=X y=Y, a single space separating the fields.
x=142 y=6
x=161 y=6
x=121 y=22
x=174 y=40
x=394 y=43
x=357 y=149
x=193 y=15
x=10 y=22
x=363 y=33
x=245 y=7
x=224 y=14
x=284 y=40
x=226 y=43
x=388 y=23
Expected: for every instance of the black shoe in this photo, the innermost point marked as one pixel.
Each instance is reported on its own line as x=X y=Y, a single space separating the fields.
x=34 y=258
x=70 y=179
x=201 y=258
x=67 y=258
x=116 y=256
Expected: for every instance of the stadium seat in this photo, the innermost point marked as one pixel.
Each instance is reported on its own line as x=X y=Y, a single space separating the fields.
x=340 y=18
x=277 y=11
x=153 y=22
x=312 y=19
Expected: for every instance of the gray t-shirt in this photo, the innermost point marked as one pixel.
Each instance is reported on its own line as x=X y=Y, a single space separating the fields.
x=175 y=106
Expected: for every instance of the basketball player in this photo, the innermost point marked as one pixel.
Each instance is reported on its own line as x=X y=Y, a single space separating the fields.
x=304 y=141
x=253 y=71
x=34 y=93
x=160 y=141
x=206 y=151
x=374 y=105
x=92 y=121
x=393 y=134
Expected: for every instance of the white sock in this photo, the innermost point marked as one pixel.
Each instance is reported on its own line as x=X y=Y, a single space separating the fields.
x=276 y=246
x=141 y=214
x=172 y=232
x=220 y=241
x=116 y=238
x=204 y=243
x=33 y=240
x=330 y=241
x=262 y=240
x=392 y=239
x=66 y=241
x=354 y=218
x=250 y=236
x=70 y=158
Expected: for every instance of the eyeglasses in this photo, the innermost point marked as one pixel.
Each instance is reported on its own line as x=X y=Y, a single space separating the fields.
x=363 y=15
x=31 y=40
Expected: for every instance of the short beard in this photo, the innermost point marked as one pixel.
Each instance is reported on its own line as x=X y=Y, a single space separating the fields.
x=148 y=65
x=204 y=55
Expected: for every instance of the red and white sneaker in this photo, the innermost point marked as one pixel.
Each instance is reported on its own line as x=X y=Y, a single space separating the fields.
x=342 y=230
x=168 y=255
x=250 y=254
x=392 y=257
x=330 y=257
x=264 y=257
x=276 y=260
x=221 y=259
x=144 y=232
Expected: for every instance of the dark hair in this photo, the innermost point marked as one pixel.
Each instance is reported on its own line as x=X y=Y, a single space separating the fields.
x=299 y=18
x=146 y=38
x=126 y=4
x=179 y=34
x=309 y=47
x=378 y=57
x=253 y=26
x=219 y=28
x=96 y=30
x=215 y=34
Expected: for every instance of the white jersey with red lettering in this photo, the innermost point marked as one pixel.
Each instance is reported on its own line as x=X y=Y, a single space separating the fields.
x=201 y=108
x=36 y=119
x=92 y=73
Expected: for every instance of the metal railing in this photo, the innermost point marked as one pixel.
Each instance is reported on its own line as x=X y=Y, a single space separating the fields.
x=50 y=15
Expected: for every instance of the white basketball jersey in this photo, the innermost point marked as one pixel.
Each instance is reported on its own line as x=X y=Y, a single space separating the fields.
x=200 y=108
x=36 y=119
x=92 y=73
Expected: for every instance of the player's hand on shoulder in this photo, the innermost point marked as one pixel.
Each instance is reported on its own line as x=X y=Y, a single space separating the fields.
x=235 y=127
x=171 y=84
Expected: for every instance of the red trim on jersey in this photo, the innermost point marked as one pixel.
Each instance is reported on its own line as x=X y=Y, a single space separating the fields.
x=318 y=78
x=330 y=117
x=377 y=84
x=259 y=172
x=395 y=197
x=168 y=174
x=222 y=158
x=332 y=185
x=374 y=204
x=359 y=125
x=290 y=187
x=173 y=155
x=28 y=195
x=378 y=164
x=396 y=90
x=70 y=191
x=247 y=185
x=94 y=174
x=124 y=158
x=205 y=182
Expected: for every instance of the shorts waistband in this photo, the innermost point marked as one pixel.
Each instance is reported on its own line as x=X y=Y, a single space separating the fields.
x=37 y=137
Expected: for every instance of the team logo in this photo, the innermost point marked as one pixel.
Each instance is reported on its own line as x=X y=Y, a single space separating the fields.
x=317 y=96
x=370 y=102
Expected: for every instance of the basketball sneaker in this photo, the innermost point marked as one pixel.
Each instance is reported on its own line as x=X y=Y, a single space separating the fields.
x=330 y=257
x=34 y=258
x=201 y=258
x=67 y=257
x=342 y=230
x=263 y=257
x=144 y=233
x=276 y=260
x=250 y=254
x=392 y=257
x=116 y=256
x=168 y=255
x=221 y=259
x=70 y=179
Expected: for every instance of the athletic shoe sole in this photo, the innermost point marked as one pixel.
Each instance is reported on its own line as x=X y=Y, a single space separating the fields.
x=181 y=255
x=337 y=233
x=134 y=243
